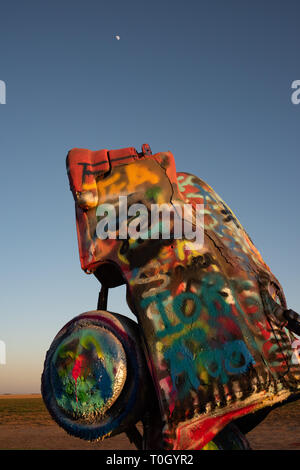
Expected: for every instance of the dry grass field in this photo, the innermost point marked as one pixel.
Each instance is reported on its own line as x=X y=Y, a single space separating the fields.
x=26 y=424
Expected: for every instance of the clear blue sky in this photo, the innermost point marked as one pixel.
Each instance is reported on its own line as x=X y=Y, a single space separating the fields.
x=209 y=80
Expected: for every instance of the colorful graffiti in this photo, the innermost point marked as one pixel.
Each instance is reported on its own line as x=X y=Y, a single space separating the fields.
x=95 y=363
x=211 y=318
x=89 y=372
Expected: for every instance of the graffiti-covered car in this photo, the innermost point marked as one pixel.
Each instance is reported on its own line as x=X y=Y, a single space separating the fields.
x=211 y=350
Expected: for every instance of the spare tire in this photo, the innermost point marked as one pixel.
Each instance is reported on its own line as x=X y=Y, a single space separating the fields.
x=95 y=380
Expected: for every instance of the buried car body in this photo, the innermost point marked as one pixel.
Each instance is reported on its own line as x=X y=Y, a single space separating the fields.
x=212 y=344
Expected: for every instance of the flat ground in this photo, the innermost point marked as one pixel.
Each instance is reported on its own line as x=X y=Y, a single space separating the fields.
x=25 y=424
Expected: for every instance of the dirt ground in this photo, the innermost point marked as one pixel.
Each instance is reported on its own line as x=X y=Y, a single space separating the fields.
x=26 y=424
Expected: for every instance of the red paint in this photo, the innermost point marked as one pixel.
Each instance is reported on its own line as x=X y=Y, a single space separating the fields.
x=234 y=310
x=84 y=165
x=252 y=309
x=195 y=436
x=122 y=156
x=266 y=334
x=230 y=325
x=76 y=371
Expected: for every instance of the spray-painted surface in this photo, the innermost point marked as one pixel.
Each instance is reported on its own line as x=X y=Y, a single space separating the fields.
x=211 y=318
x=94 y=381
x=89 y=372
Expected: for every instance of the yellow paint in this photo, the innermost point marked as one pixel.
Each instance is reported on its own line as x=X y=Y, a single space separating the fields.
x=139 y=174
x=204 y=379
x=210 y=446
x=86 y=340
x=64 y=354
x=89 y=186
x=180 y=249
x=109 y=185
x=136 y=175
x=183 y=249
